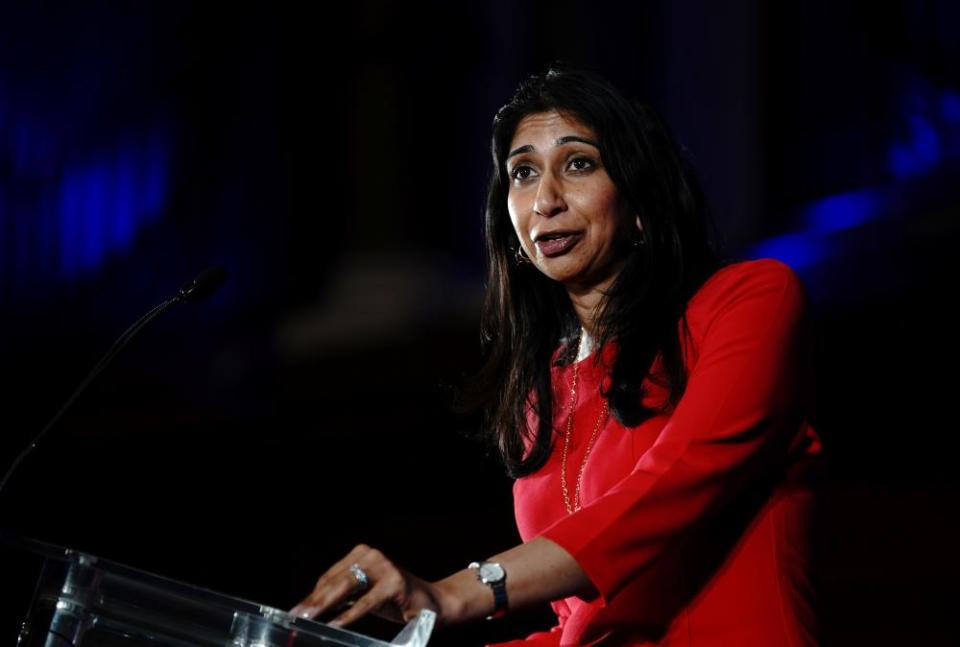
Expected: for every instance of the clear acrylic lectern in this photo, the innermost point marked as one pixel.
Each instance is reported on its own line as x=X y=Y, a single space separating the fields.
x=85 y=601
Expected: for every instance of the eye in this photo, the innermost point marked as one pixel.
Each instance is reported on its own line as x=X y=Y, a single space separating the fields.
x=521 y=173
x=581 y=164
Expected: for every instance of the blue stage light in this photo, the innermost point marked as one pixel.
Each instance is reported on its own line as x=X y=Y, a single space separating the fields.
x=105 y=202
x=950 y=106
x=798 y=250
x=843 y=211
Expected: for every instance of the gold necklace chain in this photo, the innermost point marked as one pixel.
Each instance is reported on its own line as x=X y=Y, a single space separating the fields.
x=575 y=505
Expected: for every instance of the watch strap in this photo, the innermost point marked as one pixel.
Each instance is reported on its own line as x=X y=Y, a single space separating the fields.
x=498 y=586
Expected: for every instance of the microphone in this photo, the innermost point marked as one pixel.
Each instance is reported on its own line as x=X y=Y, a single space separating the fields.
x=206 y=283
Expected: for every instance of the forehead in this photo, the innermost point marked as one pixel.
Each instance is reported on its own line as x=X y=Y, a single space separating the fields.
x=541 y=128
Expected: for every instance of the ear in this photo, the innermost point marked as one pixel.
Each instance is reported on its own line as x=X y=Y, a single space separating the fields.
x=639 y=224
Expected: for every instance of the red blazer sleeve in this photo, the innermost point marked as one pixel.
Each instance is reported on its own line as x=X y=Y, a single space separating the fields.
x=739 y=418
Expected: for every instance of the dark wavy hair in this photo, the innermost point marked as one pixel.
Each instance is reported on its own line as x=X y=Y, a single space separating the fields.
x=526 y=316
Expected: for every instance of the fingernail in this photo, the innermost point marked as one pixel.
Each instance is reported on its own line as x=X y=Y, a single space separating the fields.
x=300 y=611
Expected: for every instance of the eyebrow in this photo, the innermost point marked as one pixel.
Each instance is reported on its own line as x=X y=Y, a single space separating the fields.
x=566 y=139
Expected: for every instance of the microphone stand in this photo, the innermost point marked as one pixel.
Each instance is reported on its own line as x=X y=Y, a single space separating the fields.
x=203 y=286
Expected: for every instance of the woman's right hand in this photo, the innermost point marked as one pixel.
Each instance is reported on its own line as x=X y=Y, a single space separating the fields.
x=389 y=591
x=537 y=571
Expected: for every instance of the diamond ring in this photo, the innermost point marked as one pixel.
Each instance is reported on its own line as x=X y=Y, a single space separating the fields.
x=363 y=581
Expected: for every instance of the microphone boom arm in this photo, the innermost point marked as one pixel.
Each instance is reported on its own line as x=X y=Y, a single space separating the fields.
x=201 y=287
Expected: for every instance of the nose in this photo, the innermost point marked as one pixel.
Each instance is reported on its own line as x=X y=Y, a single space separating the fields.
x=549 y=199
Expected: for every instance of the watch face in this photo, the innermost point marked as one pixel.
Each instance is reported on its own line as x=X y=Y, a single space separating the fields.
x=491 y=572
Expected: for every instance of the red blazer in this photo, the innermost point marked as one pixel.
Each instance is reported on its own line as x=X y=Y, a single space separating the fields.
x=694 y=526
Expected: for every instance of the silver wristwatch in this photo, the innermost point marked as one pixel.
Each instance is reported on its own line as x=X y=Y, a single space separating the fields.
x=493 y=575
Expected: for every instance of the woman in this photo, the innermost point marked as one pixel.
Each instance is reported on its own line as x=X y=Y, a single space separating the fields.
x=651 y=403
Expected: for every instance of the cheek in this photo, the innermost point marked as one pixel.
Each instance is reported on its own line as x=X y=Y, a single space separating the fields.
x=604 y=211
x=618 y=214
x=515 y=219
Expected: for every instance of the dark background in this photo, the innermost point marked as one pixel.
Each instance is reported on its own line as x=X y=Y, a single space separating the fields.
x=334 y=159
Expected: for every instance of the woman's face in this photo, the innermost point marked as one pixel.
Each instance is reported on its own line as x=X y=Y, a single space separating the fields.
x=565 y=209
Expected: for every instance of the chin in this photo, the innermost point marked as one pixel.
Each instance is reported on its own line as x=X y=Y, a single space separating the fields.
x=557 y=269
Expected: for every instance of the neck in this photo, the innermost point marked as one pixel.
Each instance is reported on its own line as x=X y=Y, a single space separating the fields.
x=586 y=304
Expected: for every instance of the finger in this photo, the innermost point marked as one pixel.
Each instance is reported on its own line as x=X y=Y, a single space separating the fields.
x=382 y=592
x=310 y=611
x=332 y=573
x=334 y=586
x=336 y=591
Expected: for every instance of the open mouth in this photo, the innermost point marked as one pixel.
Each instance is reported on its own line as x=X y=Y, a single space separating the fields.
x=557 y=243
